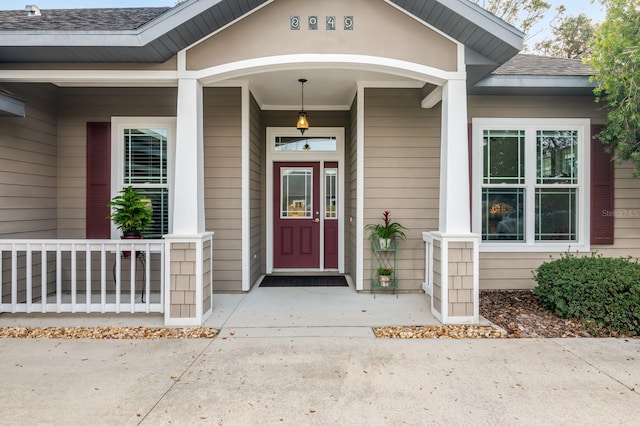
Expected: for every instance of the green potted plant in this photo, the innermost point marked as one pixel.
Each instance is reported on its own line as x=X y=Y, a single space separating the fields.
x=384 y=275
x=385 y=232
x=132 y=212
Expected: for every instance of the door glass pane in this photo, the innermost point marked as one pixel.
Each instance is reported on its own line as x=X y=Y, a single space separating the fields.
x=556 y=214
x=305 y=143
x=503 y=154
x=145 y=156
x=557 y=156
x=295 y=194
x=503 y=214
x=331 y=193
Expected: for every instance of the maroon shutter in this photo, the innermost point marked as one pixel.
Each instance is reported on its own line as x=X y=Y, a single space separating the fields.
x=602 y=173
x=98 y=180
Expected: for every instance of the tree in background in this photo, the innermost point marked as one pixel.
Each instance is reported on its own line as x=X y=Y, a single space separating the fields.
x=616 y=62
x=572 y=36
x=522 y=14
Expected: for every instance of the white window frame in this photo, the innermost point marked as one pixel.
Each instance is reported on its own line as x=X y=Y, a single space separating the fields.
x=118 y=125
x=530 y=126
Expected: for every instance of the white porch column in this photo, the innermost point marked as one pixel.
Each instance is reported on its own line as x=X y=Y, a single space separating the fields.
x=188 y=196
x=188 y=249
x=452 y=252
x=454 y=160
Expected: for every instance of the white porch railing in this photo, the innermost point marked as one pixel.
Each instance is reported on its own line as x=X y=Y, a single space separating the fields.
x=82 y=276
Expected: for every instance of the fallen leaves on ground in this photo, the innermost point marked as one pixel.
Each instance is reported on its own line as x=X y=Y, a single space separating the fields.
x=518 y=312
x=438 y=332
x=521 y=314
x=101 y=333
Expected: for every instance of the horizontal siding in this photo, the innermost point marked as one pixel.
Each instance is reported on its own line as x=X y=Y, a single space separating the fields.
x=351 y=188
x=257 y=211
x=77 y=106
x=223 y=184
x=402 y=163
x=28 y=165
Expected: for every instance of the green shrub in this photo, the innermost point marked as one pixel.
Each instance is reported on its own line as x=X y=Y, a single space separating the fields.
x=603 y=292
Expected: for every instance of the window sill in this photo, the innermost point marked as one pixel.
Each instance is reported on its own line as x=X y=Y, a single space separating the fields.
x=563 y=247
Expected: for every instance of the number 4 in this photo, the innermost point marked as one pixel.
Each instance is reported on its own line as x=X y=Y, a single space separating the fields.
x=331 y=23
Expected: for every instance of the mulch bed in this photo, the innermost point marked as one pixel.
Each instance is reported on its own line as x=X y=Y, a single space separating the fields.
x=520 y=314
x=102 y=333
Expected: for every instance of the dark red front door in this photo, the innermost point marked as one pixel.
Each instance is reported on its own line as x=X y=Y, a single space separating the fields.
x=296 y=213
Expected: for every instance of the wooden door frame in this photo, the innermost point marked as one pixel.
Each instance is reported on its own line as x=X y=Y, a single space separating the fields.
x=301 y=156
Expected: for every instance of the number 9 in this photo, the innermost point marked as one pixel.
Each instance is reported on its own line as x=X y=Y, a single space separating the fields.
x=348 y=22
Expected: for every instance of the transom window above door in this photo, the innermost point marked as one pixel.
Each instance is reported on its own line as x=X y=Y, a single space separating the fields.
x=531 y=184
x=305 y=143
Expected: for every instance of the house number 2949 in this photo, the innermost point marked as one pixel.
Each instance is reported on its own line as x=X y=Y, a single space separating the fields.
x=296 y=23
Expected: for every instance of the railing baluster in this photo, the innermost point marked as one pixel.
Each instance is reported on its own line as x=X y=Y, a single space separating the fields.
x=58 y=278
x=74 y=278
x=29 y=278
x=132 y=278
x=87 y=277
x=43 y=277
x=103 y=279
x=147 y=277
x=118 y=266
x=14 y=279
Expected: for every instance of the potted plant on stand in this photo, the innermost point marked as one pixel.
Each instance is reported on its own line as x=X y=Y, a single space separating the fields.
x=385 y=232
x=384 y=275
x=132 y=213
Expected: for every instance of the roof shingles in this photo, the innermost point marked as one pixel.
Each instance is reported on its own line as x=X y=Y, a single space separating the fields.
x=523 y=64
x=81 y=19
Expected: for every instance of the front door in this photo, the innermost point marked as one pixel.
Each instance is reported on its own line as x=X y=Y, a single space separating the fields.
x=305 y=202
x=296 y=214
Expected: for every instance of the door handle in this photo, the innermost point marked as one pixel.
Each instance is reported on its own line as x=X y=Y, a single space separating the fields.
x=317 y=219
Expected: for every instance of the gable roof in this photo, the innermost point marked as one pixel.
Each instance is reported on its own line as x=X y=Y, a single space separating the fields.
x=155 y=35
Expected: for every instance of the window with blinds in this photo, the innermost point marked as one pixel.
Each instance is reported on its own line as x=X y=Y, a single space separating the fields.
x=145 y=168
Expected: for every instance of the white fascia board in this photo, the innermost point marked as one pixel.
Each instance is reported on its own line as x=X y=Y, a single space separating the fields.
x=528 y=81
x=97 y=78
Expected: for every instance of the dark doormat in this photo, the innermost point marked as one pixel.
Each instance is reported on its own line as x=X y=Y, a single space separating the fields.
x=303 y=281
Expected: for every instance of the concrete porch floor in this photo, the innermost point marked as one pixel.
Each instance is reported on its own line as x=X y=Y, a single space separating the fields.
x=290 y=311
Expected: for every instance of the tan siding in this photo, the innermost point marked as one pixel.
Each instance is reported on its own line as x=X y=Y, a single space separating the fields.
x=28 y=157
x=402 y=143
x=271 y=24
x=534 y=107
x=351 y=188
x=256 y=166
x=223 y=184
x=77 y=107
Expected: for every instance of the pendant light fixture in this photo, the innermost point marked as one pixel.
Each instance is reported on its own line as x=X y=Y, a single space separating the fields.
x=302 y=123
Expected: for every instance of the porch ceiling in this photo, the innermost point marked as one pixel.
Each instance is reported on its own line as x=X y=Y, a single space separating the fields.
x=325 y=89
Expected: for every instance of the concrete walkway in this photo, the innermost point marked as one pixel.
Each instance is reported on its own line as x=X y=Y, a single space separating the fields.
x=316 y=363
